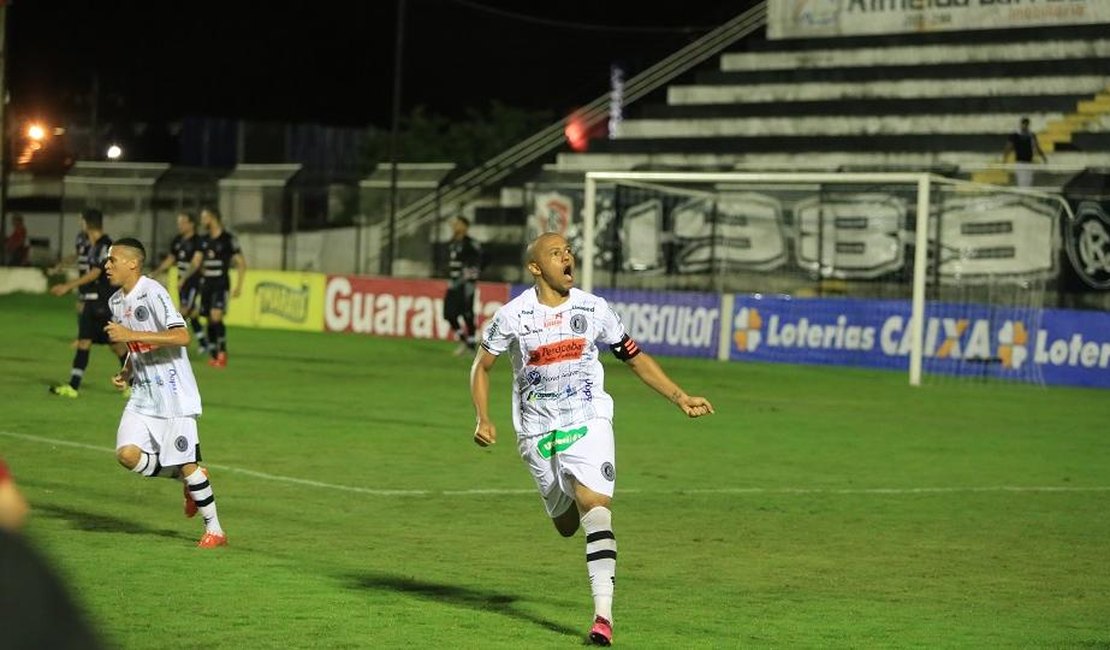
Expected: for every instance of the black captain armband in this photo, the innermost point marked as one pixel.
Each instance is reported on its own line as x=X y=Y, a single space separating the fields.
x=625 y=349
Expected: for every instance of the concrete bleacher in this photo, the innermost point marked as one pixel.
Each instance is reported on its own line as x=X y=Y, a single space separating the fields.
x=923 y=100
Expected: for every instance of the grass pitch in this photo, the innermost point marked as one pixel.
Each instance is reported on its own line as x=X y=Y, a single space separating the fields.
x=820 y=507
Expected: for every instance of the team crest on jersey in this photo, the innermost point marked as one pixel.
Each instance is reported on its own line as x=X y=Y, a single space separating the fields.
x=608 y=471
x=181 y=444
x=578 y=324
x=142 y=313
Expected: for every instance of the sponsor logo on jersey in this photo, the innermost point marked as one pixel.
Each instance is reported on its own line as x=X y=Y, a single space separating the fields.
x=142 y=313
x=568 y=350
x=558 y=441
x=578 y=324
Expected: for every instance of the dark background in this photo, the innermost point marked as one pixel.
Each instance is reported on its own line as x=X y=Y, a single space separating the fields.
x=331 y=62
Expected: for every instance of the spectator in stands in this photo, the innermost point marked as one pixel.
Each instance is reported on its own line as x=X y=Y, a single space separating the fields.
x=1023 y=145
x=15 y=245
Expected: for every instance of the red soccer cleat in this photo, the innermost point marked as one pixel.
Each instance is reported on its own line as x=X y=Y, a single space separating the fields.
x=220 y=361
x=602 y=632
x=212 y=540
x=190 y=505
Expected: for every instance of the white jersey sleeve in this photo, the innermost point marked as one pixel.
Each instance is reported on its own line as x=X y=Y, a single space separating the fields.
x=499 y=334
x=610 y=329
x=166 y=314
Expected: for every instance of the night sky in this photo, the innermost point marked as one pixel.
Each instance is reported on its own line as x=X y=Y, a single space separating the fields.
x=330 y=62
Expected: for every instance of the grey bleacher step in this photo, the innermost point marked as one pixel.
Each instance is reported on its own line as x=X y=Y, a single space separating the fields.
x=790 y=161
x=831 y=125
x=1035 y=68
x=817 y=91
x=870 y=106
x=917 y=55
x=956 y=37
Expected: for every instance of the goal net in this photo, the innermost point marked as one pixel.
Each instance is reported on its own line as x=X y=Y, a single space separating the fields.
x=914 y=272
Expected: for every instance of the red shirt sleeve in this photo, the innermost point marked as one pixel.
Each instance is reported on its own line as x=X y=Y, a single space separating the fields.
x=4 y=473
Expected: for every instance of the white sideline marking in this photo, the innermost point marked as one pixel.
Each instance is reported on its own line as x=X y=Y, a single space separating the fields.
x=498 y=491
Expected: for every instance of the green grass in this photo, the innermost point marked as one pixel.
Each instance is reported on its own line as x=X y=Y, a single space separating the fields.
x=820 y=507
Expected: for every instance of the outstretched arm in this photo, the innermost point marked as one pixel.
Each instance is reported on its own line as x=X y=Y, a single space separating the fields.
x=652 y=374
x=65 y=287
x=164 y=265
x=485 y=433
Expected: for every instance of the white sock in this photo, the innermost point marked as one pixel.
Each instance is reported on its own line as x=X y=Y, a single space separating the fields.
x=148 y=465
x=601 y=559
x=201 y=492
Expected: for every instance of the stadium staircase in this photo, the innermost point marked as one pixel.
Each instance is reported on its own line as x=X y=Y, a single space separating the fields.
x=903 y=101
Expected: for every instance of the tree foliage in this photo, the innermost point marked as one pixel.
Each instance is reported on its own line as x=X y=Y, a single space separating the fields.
x=479 y=135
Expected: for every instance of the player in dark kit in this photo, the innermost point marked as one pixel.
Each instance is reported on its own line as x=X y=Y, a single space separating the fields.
x=93 y=291
x=464 y=261
x=218 y=251
x=184 y=246
x=78 y=258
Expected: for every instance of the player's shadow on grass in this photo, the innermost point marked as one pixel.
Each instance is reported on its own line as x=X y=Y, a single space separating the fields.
x=97 y=523
x=482 y=600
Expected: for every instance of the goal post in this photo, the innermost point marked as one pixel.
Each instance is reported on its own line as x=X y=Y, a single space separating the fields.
x=947 y=249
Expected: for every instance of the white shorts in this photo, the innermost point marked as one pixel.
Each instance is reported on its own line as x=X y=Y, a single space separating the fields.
x=173 y=440
x=584 y=454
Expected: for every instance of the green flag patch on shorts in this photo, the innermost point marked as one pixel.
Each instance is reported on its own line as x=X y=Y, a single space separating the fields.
x=558 y=441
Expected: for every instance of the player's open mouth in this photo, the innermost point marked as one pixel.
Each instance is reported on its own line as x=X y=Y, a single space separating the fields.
x=568 y=272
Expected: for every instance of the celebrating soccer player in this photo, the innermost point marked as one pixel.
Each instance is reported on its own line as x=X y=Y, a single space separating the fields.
x=157 y=434
x=561 y=412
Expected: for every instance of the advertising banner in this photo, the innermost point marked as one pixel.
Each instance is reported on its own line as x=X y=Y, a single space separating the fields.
x=816 y=18
x=1053 y=346
x=405 y=308
x=673 y=323
x=287 y=300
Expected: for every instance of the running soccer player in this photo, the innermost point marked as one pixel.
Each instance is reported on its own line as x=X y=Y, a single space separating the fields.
x=561 y=412
x=157 y=435
x=78 y=258
x=184 y=245
x=218 y=251
x=92 y=293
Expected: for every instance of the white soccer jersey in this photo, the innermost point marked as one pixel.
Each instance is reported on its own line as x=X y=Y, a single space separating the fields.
x=558 y=379
x=162 y=379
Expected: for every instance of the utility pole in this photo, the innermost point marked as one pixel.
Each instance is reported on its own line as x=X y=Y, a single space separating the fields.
x=4 y=153
x=387 y=261
x=94 y=118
